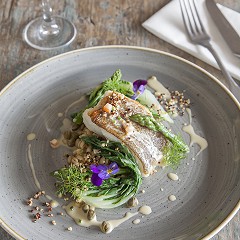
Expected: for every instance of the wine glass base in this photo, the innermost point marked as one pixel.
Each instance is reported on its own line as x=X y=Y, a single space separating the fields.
x=33 y=37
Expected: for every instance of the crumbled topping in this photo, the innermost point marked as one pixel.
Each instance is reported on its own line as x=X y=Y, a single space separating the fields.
x=37 y=211
x=54 y=143
x=69 y=228
x=107 y=108
x=84 y=155
x=176 y=104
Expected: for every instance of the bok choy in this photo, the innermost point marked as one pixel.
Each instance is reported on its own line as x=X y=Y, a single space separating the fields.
x=113 y=192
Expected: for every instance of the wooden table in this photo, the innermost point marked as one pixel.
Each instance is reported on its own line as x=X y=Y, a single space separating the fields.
x=99 y=22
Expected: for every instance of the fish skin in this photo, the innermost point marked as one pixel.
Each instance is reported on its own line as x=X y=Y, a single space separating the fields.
x=143 y=143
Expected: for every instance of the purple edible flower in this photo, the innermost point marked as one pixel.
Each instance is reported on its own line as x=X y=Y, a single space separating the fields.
x=138 y=88
x=102 y=172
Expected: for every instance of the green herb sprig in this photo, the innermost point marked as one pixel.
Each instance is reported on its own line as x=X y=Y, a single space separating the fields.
x=114 y=191
x=114 y=83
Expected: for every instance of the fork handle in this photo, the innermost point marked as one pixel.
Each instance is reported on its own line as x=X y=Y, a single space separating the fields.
x=230 y=83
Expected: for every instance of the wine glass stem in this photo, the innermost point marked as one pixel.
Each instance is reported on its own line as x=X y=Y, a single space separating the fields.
x=49 y=26
x=47 y=11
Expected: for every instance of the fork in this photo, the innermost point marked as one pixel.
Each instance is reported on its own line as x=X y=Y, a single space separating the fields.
x=198 y=35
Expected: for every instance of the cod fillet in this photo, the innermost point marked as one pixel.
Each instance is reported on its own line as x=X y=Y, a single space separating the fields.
x=110 y=118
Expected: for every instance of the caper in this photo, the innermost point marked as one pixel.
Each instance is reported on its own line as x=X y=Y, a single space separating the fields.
x=75 y=135
x=91 y=214
x=132 y=202
x=75 y=126
x=67 y=135
x=105 y=227
x=85 y=208
x=71 y=142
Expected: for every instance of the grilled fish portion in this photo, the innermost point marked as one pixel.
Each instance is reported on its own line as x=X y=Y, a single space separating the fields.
x=110 y=118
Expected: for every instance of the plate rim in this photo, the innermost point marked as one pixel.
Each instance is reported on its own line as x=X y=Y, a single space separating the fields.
x=29 y=70
x=233 y=212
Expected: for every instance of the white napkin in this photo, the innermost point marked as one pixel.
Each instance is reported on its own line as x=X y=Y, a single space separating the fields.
x=168 y=25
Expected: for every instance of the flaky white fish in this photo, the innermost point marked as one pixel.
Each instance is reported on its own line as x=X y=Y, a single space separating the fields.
x=110 y=118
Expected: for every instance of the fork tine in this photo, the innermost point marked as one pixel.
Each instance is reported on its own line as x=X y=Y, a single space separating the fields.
x=198 y=35
x=199 y=19
x=191 y=17
x=186 y=17
x=194 y=16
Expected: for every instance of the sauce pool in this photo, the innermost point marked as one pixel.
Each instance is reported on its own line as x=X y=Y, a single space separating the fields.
x=31 y=136
x=202 y=142
x=75 y=211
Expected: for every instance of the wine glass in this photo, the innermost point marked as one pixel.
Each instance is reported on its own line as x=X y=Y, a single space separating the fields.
x=49 y=32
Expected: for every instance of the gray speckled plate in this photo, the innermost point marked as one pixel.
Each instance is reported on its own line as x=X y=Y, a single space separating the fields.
x=207 y=194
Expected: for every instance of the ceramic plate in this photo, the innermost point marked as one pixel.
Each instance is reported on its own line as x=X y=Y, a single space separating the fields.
x=207 y=192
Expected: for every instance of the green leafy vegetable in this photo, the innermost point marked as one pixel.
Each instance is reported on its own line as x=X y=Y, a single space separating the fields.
x=114 y=191
x=174 y=151
x=114 y=83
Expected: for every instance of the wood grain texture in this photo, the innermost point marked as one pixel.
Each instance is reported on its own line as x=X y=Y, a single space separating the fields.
x=98 y=22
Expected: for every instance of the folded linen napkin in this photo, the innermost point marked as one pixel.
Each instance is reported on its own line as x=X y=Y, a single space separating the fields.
x=168 y=25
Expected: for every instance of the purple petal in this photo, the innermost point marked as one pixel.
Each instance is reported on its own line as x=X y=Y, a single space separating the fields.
x=113 y=166
x=102 y=167
x=96 y=180
x=138 y=83
x=114 y=171
x=138 y=88
x=94 y=168
x=134 y=97
x=102 y=172
x=104 y=175
x=141 y=89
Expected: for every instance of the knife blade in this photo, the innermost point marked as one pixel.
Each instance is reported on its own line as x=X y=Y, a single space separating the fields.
x=227 y=31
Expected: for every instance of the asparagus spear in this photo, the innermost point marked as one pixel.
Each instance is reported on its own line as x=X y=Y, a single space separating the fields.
x=153 y=124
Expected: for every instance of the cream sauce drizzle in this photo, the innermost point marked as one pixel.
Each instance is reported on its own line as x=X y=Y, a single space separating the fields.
x=158 y=87
x=202 y=142
x=60 y=114
x=32 y=167
x=83 y=98
x=136 y=221
x=31 y=136
x=173 y=176
x=53 y=203
x=115 y=223
x=172 y=198
x=66 y=125
x=145 y=210
x=74 y=210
